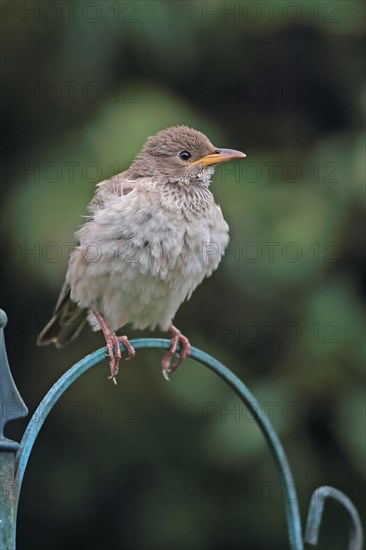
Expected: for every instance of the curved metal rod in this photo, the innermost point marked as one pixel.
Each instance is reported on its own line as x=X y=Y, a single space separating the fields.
x=282 y=465
x=315 y=515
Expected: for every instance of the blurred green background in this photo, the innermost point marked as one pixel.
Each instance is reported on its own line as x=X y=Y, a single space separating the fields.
x=153 y=465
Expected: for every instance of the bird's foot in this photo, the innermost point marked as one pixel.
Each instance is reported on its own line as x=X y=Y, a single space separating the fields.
x=113 y=349
x=185 y=348
x=114 y=352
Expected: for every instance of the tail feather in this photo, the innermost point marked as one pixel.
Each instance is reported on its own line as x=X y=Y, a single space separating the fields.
x=67 y=321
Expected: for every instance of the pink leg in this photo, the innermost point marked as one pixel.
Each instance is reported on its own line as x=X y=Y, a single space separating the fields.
x=112 y=341
x=177 y=338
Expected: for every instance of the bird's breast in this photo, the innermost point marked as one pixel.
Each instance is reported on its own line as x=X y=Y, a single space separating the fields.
x=176 y=247
x=145 y=257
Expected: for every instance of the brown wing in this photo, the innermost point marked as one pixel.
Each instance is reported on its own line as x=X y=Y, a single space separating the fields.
x=117 y=185
x=66 y=322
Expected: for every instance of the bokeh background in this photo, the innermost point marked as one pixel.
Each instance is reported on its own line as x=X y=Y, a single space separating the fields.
x=153 y=465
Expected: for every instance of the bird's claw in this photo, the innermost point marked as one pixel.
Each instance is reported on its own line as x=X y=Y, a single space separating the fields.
x=130 y=349
x=185 y=348
x=114 y=353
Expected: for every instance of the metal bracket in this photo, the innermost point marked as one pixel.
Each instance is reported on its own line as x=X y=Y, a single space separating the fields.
x=12 y=405
x=10 y=394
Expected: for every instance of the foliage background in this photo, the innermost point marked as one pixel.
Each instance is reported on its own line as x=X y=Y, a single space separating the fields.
x=141 y=465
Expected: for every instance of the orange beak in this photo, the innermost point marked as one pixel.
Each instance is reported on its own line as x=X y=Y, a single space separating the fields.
x=221 y=155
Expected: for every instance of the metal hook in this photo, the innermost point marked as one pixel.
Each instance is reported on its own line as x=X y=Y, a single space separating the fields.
x=315 y=515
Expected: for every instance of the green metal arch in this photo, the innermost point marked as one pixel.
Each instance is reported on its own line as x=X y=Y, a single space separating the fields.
x=278 y=454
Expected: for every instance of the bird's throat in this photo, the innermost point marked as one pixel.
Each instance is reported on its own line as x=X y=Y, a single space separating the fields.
x=193 y=199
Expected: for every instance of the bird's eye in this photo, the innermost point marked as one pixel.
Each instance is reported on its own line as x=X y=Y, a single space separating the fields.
x=184 y=155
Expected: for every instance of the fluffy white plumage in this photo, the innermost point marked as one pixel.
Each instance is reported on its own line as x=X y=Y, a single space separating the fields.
x=144 y=251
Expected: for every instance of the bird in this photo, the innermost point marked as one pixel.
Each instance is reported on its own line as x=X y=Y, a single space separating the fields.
x=152 y=234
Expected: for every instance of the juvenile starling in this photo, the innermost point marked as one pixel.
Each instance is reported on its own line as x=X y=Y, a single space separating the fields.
x=143 y=248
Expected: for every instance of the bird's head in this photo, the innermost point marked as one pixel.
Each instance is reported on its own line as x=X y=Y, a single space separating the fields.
x=180 y=155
